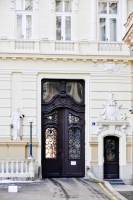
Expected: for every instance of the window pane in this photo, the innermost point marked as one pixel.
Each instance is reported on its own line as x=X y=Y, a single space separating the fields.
x=19 y=27
x=58 y=6
x=102 y=7
x=110 y=149
x=28 y=4
x=28 y=26
x=68 y=28
x=74 y=143
x=68 y=6
x=50 y=89
x=112 y=8
x=72 y=119
x=113 y=30
x=102 y=29
x=50 y=143
x=58 y=28
x=53 y=118
x=75 y=89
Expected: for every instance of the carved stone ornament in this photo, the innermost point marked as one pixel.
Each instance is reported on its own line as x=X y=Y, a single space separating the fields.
x=109 y=66
x=121 y=128
x=111 y=110
x=101 y=128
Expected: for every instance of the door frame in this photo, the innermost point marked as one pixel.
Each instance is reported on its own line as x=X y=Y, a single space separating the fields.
x=76 y=76
x=122 y=151
x=117 y=155
x=63 y=108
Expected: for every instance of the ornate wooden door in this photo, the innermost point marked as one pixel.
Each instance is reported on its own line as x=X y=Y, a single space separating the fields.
x=111 y=157
x=63 y=137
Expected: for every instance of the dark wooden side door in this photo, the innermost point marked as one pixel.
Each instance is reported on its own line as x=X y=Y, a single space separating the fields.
x=63 y=137
x=111 y=157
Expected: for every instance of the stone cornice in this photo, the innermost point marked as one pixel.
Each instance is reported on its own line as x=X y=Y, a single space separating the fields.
x=75 y=58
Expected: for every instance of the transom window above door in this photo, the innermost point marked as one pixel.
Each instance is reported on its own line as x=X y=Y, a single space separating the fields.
x=72 y=88
x=63 y=9
x=108 y=19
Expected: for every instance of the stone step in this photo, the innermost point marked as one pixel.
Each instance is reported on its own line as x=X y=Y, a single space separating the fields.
x=115 y=181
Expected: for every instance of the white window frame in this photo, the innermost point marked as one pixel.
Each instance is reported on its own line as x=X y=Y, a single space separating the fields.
x=63 y=15
x=108 y=16
x=24 y=13
x=24 y=24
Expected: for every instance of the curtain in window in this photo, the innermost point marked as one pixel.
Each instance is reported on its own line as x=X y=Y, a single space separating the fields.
x=58 y=6
x=112 y=8
x=113 y=29
x=75 y=89
x=28 y=26
x=102 y=8
x=28 y=4
x=68 y=6
x=19 y=27
x=103 y=29
x=50 y=89
x=58 y=28
x=68 y=27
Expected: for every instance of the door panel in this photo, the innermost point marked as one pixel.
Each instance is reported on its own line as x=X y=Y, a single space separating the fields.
x=63 y=145
x=111 y=157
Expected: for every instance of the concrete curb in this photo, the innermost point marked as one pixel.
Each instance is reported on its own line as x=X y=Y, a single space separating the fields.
x=109 y=186
x=93 y=178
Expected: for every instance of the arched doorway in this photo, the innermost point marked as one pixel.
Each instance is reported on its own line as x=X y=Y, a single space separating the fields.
x=111 y=157
x=63 y=135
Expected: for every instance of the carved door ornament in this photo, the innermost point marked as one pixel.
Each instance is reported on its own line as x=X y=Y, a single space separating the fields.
x=111 y=110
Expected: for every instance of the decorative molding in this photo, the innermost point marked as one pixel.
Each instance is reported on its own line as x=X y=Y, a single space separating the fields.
x=52 y=6
x=111 y=110
x=110 y=66
x=121 y=128
x=101 y=128
x=76 y=6
x=12 y=4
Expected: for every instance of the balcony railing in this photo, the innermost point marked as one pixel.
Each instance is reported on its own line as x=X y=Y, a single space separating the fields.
x=24 y=45
x=64 y=46
x=17 y=168
x=106 y=46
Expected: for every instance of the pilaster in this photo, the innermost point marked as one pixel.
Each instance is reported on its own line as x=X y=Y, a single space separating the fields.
x=93 y=20
x=75 y=20
x=124 y=16
x=12 y=20
x=52 y=31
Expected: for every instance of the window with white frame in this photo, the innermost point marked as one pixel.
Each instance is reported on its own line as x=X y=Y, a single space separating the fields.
x=108 y=18
x=24 y=9
x=63 y=9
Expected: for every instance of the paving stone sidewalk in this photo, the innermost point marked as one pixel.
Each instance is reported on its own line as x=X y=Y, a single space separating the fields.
x=55 y=189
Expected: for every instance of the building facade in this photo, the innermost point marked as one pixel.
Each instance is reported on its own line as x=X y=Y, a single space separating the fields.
x=64 y=63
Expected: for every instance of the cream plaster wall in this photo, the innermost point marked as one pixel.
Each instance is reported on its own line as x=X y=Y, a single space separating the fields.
x=22 y=80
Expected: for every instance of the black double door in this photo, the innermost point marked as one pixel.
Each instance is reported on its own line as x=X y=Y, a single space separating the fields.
x=63 y=138
x=111 y=157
